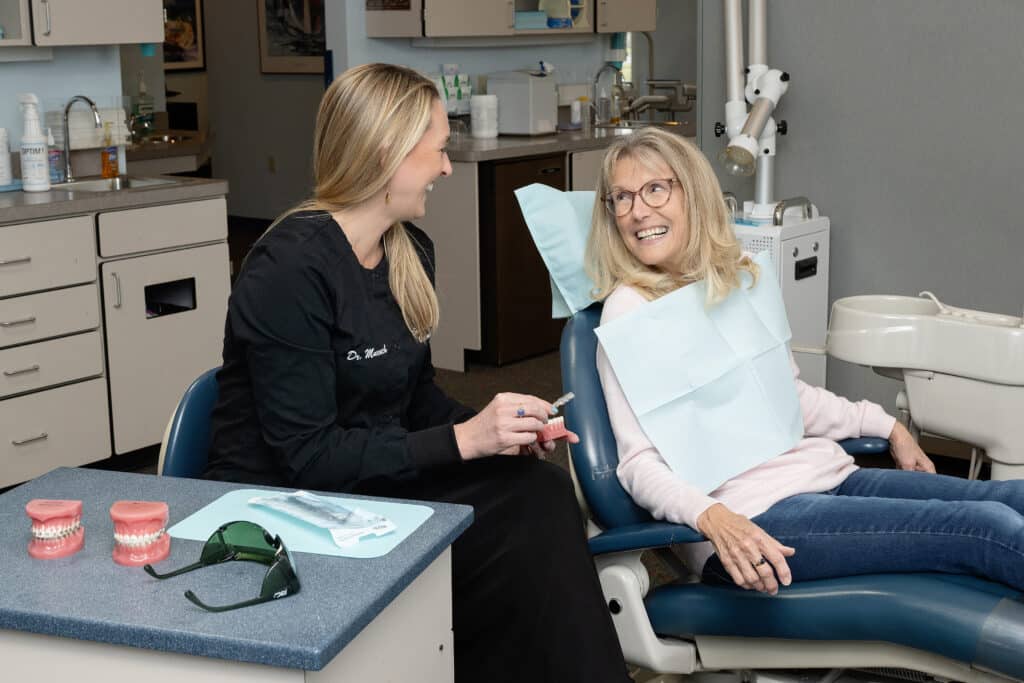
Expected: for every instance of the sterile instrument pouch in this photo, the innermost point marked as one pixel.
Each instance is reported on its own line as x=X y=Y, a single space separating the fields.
x=559 y=223
x=712 y=388
x=346 y=525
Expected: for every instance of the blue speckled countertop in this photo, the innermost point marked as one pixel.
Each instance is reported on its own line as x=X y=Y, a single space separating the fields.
x=88 y=597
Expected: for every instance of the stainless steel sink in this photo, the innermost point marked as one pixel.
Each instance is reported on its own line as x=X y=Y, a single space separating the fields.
x=112 y=184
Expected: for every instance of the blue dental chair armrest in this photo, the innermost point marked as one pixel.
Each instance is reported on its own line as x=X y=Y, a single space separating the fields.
x=642 y=537
x=660 y=534
x=866 y=445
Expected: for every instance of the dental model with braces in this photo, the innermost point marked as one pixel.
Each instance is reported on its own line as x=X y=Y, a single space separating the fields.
x=553 y=430
x=56 y=528
x=140 y=532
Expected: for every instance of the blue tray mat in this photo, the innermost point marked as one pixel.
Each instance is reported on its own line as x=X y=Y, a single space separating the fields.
x=299 y=536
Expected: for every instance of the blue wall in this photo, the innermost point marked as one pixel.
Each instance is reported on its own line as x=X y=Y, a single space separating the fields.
x=91 y=71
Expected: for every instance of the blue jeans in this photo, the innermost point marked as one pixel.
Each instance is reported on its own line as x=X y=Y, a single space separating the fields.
x=880 y=521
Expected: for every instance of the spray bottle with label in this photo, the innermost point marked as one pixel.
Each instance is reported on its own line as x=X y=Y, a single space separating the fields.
x=35 y=169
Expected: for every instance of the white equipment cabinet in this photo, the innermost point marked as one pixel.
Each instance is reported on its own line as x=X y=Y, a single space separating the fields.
x=81 y=378
x=799 y=249
x=163 y=310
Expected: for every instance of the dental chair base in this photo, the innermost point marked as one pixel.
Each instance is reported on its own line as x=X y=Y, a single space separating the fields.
x=639 y=616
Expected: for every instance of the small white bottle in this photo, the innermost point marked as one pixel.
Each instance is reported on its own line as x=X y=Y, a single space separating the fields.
x=5 y=160
x=35 y=166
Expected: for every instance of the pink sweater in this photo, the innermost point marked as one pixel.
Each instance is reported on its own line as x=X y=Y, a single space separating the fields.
x=816 y=464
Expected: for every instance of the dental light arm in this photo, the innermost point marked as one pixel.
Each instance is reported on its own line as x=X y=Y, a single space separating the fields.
x=751 y=135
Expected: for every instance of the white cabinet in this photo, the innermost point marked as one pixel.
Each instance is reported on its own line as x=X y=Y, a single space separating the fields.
x=49 y=344
x=14 y=17
x=618 y=16
x=467 y=18
x=164 y=318
x=68 y=375
x=81 y=22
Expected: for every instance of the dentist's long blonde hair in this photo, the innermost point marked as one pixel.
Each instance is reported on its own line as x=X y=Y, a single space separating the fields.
x=369 y=120
x=711 y=253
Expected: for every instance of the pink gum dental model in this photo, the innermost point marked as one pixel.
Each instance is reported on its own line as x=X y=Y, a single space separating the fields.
x=140 y=532
x=553 y=430
x=56 y=528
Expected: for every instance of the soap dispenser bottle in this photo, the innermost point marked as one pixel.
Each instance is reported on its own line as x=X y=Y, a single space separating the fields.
x=108 y=155
x=35 y=169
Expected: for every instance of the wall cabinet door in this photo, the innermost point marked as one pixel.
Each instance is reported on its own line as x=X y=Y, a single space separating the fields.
x=165 y=326
x=97 y=22
x=468 y=18
x=14 y=17
x=615 y=16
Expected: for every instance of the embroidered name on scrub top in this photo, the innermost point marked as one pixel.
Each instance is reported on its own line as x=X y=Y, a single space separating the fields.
x=713 y=389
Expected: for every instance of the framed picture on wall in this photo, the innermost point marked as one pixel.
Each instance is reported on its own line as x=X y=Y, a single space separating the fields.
x=292 y=37
x=183 y=35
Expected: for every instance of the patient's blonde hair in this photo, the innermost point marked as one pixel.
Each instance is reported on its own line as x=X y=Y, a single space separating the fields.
x=370 y=118
x=712 y=252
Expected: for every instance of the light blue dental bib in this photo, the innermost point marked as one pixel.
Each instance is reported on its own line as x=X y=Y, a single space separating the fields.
x=713 y=389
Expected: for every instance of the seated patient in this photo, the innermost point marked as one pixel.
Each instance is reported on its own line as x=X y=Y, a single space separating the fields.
x=810 y=512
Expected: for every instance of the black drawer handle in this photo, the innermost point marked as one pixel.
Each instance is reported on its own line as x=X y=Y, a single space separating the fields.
x=550 y=170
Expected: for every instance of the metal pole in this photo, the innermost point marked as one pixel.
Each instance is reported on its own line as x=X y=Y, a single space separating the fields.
x=758 y=32
x=734 y=65
x=765 y=179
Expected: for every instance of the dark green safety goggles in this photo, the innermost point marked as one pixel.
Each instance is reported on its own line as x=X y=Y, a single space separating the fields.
x=249 y=542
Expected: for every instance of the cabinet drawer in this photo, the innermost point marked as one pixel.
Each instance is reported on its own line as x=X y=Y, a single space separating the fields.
x=45 y=255
x=50 y=314
x=161 y=227
x=36 y=366
x=63 y=427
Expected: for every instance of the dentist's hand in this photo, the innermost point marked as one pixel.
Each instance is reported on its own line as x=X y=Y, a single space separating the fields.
x=507 y=426
x=905 y=451
x=752 y=557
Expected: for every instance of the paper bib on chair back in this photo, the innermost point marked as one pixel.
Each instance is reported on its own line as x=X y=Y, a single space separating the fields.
x=712 y=388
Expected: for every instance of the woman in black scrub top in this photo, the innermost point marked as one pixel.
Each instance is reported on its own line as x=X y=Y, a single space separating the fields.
x=327 y=384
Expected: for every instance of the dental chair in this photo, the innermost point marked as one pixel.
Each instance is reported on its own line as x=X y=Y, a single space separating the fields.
x=948 y=627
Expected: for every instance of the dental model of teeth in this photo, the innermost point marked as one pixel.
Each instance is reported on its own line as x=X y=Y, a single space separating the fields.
x=140 y=532
x=56 y=528
x=553 y=430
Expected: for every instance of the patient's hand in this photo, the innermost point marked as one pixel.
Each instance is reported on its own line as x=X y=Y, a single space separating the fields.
x=905 y=451
x=741 y=545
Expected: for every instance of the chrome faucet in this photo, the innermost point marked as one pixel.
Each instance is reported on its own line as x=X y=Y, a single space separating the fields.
x=616 y=85
x=67 y=137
